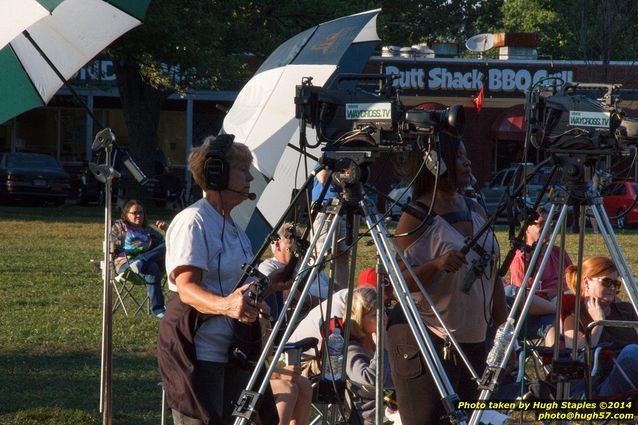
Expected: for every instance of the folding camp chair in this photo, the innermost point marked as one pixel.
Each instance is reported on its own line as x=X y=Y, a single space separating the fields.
x=594 y=356
x=124 y=285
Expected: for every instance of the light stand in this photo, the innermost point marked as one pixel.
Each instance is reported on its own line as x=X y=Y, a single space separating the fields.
x=105 y=173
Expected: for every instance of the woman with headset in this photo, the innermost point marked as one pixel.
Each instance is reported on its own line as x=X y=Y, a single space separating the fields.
x=204 y=251
x=434 y=252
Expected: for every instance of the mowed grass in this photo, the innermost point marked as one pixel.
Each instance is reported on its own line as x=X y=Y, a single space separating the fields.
x=51 y=325
x=51 y=320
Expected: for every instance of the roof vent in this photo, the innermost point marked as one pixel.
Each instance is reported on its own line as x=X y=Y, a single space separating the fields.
x=446 y=49
x=517 y=45
x=390 y=51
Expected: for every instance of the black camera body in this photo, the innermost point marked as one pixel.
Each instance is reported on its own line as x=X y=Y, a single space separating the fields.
x=368 y=116
x=582 y=118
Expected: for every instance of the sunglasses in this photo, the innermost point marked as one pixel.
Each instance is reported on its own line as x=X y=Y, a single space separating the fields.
x=608 y=282
x=136 y=212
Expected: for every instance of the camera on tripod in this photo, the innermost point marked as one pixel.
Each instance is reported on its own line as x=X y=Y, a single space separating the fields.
x=368 y=116
x=582 y=118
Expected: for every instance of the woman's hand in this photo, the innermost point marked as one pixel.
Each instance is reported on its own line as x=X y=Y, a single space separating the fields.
x=451 y=261
x=241 y=307
x=595 y=308
x=161 y=224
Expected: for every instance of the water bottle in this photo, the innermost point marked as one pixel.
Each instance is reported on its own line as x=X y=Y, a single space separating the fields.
x=335 y=356
x=502 y=339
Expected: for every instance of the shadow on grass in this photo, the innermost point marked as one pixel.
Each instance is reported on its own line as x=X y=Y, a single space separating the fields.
x=64 y=388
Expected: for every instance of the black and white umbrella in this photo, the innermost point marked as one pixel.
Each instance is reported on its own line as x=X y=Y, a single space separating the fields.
x=263 y=116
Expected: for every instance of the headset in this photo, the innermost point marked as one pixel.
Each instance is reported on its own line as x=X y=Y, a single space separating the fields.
x=217 y=167
x=433 y=163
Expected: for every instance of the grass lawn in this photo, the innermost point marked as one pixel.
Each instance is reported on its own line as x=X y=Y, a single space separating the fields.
x=50 y=310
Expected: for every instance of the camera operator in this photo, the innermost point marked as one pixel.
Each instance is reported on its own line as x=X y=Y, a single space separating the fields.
x=434 y=252
x=204 y=251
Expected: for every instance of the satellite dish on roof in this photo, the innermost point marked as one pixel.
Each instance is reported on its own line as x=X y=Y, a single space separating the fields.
x=480 y=43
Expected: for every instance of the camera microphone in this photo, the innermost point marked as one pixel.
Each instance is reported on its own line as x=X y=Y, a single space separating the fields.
x=248 y=195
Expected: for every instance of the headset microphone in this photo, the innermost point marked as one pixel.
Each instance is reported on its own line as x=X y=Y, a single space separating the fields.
x=248 y=195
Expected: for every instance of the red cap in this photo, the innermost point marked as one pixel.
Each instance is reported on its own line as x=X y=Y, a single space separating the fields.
x=368 y=277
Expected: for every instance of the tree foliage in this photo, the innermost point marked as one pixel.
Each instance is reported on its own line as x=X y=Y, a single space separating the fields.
x=407 y=22
x=206 y=44
x=539 y=16
x=578 y=29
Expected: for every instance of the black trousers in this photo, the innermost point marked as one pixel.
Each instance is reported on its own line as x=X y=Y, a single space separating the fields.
x=417 y=395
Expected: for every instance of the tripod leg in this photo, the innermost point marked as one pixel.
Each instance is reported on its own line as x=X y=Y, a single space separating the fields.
x=615 y=251
x=492 y=374
x=249 y=399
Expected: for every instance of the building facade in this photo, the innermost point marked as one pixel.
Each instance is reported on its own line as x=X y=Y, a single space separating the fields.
x=494 y=136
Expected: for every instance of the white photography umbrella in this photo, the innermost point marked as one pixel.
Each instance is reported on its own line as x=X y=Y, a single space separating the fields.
x=263 y=116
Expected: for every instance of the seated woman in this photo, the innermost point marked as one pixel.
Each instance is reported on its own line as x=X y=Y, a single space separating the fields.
x=599 y=288
x=293 y=395
x=141 y=248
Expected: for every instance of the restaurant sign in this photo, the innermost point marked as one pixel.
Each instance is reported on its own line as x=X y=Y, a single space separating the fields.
x=459 y=80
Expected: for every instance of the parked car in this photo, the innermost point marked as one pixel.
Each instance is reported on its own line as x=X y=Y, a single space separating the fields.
x=618 y=197
x=504 y=181
x=33 y=177
x=406 y=197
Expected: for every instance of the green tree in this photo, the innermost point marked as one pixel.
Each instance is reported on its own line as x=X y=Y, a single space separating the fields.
x=604 y=30
x=186 y=44
x=578 y=29
x=406 y=22
x=542 y=16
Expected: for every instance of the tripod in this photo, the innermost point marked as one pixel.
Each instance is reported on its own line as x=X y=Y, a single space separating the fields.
x=562 y=375
x=354 y=206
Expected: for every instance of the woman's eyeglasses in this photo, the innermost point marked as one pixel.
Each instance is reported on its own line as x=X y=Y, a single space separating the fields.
x=136 y=212
x=608 y=282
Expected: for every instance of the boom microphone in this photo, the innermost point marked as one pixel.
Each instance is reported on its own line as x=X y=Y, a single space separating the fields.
x=248 y=195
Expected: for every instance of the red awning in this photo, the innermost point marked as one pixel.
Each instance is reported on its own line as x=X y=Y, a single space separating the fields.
x=430 y=106
x=510 y=125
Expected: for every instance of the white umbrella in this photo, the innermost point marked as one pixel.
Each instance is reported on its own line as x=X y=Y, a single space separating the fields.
x=263 y=116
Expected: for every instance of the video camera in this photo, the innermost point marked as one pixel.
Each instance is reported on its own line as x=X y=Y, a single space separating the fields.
x=578 y=118
x=368 y=116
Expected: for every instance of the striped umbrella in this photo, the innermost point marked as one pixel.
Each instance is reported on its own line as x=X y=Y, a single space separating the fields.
x=20 y=14
x=39 y=59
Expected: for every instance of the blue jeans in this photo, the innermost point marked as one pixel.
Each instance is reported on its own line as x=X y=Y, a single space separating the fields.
x=615 y=383
x=152 y=270
x=537 y=326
